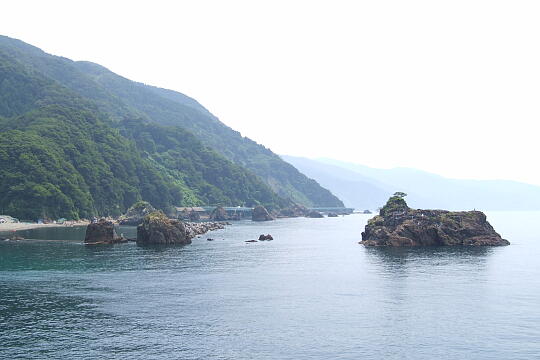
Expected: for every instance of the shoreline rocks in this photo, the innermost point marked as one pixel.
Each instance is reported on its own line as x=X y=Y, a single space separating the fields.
x=198 y=228
x=398 y=225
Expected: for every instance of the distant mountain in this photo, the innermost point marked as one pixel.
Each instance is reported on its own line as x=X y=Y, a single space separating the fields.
x=353 y=188
x=77 y=140
x=364 y=187
x=121 y=99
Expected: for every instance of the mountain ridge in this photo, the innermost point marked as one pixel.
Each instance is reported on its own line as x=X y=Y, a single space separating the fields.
x=425 y=189
x=120 y=97
x=108 y=154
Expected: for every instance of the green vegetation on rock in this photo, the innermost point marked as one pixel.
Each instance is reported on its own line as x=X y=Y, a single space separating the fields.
x=395 y=204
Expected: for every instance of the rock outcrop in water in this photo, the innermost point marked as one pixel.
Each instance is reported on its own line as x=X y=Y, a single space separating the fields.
x=219 y=214
x=102 y=232
x=399 y=225
x=157 y=228
x=261 y=214
x=314 y=214
x=136 y=213
x=293 y=211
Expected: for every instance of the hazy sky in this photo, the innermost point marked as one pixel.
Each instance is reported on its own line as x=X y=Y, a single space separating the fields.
x=451 y=87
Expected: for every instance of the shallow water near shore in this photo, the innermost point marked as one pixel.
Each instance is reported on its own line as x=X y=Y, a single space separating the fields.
x=312 y=293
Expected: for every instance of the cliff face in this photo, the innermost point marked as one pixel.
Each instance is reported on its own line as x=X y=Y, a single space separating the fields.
x=398 y=225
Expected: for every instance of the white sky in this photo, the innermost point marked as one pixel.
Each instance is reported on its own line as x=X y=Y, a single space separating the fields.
x=451 y=87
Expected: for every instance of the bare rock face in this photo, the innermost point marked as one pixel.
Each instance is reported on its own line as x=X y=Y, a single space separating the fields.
x=101 y=232
x=331 y=214
x=261 y=214
x=398 y=225
x=157 y=228
x=314 y=214
x=136 y=213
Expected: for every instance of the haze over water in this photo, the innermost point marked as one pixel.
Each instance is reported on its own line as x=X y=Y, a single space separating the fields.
x=312 y=293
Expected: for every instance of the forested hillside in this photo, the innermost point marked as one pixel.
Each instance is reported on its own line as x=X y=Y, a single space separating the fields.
x=122 y=99
x=62 y=156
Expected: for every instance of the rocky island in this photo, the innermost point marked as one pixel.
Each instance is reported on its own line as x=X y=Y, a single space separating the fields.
x=261 y=214
x=102 y=232
x=399 y=225
x=157 y=228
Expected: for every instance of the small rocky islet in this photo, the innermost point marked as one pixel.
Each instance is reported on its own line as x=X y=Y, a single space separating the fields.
x=398 y=225
x=261 y=214
x=155 y=228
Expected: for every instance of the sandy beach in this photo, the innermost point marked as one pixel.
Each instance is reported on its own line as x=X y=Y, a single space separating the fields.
x=25 y=226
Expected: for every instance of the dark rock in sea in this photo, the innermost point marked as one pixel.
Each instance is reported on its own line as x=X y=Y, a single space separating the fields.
x=399 y=225
x=102 y=232
x=261 y=214
x=366 y=212
x=331 y=214
x=267 y=237
x=293 y=211
x=314 y=214
x=156 y=228
x=251 y=241
x=136 y=213
x=219 y=214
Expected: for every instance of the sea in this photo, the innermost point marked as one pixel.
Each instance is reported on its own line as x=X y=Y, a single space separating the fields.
x=311 y=293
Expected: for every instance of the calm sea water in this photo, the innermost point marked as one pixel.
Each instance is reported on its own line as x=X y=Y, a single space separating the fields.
x=312 y=293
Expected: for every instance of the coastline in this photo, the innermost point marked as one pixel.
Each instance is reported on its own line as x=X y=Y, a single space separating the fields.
x=11 y=227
